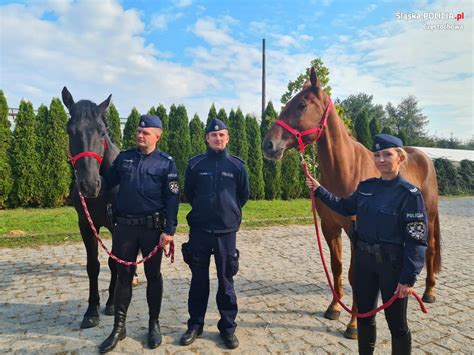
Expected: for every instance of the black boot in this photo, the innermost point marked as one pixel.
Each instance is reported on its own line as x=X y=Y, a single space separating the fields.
x=366 y=336
x=123 y=295
x=154 y=295
x=154 y=333
x=402 y=345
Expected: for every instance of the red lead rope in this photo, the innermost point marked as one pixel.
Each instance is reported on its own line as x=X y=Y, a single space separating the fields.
x=168 y=254
x=354 y=314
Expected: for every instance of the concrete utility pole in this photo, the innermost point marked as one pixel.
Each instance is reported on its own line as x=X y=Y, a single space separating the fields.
x=263 y=77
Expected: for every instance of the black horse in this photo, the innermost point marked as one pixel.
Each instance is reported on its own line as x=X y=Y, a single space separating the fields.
x=92 y=153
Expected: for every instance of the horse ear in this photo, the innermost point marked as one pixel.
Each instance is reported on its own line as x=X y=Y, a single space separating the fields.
x=105 y=105
x=313 y=78
x=67 y=98
x=306 y=85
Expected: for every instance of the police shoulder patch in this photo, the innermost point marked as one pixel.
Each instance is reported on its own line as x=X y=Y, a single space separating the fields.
x=410 y=187
x=173 y=186
x=416 y=230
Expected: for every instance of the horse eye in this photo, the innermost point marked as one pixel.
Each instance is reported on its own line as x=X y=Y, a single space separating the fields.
x=302 y=105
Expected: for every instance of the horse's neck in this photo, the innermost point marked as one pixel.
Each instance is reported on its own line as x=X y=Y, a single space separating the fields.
x=339 y=156
x=110 y=154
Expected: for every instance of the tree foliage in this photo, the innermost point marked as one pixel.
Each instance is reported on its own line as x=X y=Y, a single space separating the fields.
x=362 y=130
x=271 y=169
x=55 y=188
x=180 y=150
x=212 y=114
x=24 y=159
x=255 y=159
x=238 y=144
x=5 y=143
x=113 y=123
x=130 y=129
x=222 y=115
x=197 y=136
x=164 y=143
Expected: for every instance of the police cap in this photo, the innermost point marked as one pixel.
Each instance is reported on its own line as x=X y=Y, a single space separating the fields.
x=150 y=121
x=215 y=125
x=384 y=141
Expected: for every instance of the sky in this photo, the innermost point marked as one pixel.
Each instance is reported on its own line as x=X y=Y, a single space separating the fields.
x=196 y=53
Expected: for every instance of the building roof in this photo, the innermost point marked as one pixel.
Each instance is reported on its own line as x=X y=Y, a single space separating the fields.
x=455 y=155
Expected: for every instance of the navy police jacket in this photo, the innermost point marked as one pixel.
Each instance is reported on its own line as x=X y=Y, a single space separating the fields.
x=148 y=184
x=217 y=187
x=388 y=212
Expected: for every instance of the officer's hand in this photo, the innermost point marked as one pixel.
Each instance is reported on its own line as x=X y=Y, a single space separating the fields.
x=404 y=290
x=312 y=183
x=165 y=239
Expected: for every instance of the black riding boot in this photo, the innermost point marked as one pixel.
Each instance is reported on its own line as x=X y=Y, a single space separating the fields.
x=154 y=295
x=402 y=345
x=123 y=295
x=366 y=336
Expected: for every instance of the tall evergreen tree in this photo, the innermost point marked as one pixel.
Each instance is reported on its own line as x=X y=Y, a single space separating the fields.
x=55 y=167
x=362 y=130
x=212 y=114
x=222 y=115
x=164 y=143
x=152 y=111
x=271 y=169
x=113 y=122
x=292 y=181
x=197 y=133
x=255 y=159
x=180 y=150
x=374 y=127
x=24 y=159
x=412 y=121
x=6 y=181
x=43 y=143
x=130 y=129
x=238 y=144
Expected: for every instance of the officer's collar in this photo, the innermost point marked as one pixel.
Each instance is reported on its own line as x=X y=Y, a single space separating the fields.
x=392 y=182
x=149 y=154
x=216 y=154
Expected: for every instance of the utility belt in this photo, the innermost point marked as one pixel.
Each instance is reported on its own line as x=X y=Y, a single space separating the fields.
x=153 y=221
x=382 y=252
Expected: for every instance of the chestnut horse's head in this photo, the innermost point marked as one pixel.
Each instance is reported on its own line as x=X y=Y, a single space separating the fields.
x=303 y=112
x=87 y=132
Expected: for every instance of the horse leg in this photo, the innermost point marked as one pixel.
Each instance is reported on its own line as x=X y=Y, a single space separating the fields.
x=428 y=295
x=109 y=306
x=91 y=317
x=334 y=241
x=351 y=329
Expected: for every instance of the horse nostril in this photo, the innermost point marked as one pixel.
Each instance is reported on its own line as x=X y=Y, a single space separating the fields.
x=267 y=145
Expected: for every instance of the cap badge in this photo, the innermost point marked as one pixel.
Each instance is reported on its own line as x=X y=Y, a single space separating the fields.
x=216 y=128
x=142 y=123
x=377 y=146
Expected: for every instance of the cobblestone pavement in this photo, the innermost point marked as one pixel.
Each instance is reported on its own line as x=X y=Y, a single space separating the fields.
x=281 y=289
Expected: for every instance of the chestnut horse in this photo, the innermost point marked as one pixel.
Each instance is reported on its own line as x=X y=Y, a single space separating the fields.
x=92 y=152
x=343 y=163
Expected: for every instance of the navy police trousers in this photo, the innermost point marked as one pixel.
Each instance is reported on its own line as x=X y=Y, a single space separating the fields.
x=223 y=245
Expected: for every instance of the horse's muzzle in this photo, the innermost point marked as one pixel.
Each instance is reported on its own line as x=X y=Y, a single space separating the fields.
x=90 y=189
x=271 y=150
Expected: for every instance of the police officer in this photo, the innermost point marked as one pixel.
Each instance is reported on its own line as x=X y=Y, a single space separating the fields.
x=392 y=239
x=146 y=214
x=217 y=187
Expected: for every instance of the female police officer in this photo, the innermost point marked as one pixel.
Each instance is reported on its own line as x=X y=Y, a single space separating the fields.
x=392 y=237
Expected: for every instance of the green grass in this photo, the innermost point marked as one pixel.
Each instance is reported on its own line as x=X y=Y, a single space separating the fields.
x=36 y=226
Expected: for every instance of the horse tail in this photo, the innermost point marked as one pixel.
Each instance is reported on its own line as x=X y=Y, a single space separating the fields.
x=437 y=239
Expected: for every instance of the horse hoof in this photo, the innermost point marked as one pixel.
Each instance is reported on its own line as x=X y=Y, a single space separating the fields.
x=90 y=322
x=109 y=310
x=350 y=333
x=332 y=314
x=427 y=298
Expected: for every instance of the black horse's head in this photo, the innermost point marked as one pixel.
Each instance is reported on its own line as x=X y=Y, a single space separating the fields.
x=87 y=132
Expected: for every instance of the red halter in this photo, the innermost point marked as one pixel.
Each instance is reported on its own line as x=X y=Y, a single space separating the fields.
x=299 y=135
x=76 y=157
